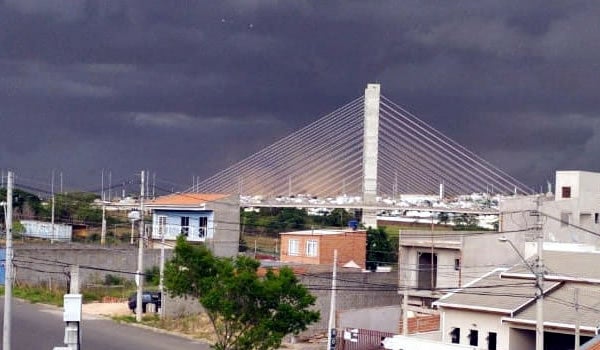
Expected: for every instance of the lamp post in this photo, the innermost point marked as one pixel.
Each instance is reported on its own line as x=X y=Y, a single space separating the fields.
x=539 y=294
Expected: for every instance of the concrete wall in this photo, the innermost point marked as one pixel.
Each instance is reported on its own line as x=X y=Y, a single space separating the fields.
x=521 y=339
x=42 y=229
x=349 y=295
x=226 y=241
x=383 y=319
x=47 y=264
x=478 y=253
x=446 y=276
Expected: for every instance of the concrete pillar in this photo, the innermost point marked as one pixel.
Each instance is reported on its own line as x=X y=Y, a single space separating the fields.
x=370 y=153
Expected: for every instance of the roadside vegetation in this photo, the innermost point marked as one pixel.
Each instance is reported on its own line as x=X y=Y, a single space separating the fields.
x=247 y=309
x=37 y=294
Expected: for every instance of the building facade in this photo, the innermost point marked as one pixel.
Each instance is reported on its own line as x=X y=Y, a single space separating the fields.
x=316 y=247
x=566 y=214
x=212 y=219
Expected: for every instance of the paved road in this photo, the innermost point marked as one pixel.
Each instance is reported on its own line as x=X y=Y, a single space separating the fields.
x=38 y=327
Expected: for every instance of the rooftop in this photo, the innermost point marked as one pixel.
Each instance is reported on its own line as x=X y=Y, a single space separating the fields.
x=322 y=232
x=494 y=294
x=186 y=199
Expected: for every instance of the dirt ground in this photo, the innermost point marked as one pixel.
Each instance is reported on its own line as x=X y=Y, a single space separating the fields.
x=106 y=309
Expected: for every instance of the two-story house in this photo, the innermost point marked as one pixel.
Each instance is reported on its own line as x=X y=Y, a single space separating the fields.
x=213 y=219
x=498 y=311
x=316 y=247
x=575 y=203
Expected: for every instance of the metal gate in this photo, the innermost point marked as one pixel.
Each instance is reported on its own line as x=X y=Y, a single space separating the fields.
x=362 y=339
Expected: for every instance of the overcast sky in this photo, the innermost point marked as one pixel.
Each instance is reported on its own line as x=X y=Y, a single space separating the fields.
x=186 y=88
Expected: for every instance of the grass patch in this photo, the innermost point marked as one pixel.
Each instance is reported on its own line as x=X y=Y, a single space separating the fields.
x=37 y=295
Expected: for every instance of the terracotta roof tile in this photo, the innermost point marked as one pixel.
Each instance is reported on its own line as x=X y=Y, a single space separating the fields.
x=186 y=199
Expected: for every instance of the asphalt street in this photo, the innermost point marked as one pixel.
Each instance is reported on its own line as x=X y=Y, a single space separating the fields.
x=40 y=327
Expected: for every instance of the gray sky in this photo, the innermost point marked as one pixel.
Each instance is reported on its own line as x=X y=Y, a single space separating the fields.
x=185 y=88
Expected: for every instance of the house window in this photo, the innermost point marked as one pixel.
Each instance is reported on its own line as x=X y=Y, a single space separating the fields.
x=185 y=225
x=492 y=341
x=162 y=225
x=311 y=247
x=596 y=218
x=565 y=219
x=566 y=191
x=427 y=270
x=455 y=335
x=294 y=247
x=456 y=264
x=202 y=223
x=473 y=337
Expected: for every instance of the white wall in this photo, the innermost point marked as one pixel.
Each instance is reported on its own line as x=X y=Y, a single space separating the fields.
x=480 y=321
x=580 y=209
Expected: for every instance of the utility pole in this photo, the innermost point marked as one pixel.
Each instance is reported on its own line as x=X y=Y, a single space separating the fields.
x=153 y=185
x=331 y=335
x=577 y=320
x=162 y=272
x=109 y=185
x=103 y=233
x=140 y=269
x=103 y=184
x=53 y=206
x=539 y=303
x=402 y=276
x=8 y=273
x=72 y=329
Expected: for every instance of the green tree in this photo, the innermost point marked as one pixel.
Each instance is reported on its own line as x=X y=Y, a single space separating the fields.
x=246 y=311
x=379 y=248
x=466 y=222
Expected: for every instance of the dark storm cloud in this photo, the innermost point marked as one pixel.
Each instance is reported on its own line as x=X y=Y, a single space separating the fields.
x=188 y=88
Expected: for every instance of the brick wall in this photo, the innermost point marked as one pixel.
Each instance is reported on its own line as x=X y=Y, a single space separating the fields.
x=421 y=324
x=301 y=258
x=350 y=245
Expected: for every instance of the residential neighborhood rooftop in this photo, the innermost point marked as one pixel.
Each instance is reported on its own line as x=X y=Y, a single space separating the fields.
x=321 y=232
x=494 y=294
x=186 y=199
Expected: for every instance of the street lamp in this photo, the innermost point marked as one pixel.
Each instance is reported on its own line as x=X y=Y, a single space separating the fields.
x=133 y=216
x=539 y=297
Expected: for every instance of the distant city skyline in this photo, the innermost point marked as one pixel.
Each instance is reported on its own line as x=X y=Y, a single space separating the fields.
x=186 y=90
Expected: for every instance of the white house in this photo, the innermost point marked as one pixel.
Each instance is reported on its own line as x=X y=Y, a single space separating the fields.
x=567 y=214
x=213 y=219
x=433 y=262
x=498 y=310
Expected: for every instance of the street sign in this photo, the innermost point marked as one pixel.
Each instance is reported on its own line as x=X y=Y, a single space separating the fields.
x=333 y=339
x=2 y=265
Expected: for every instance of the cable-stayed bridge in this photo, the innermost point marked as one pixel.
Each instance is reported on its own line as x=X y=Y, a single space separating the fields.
x=371 y=148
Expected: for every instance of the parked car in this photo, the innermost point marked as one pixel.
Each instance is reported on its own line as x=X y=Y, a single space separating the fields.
x=148 y=297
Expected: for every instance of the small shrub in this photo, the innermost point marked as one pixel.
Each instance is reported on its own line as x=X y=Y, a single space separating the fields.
x=152 y=276
x=114 y=280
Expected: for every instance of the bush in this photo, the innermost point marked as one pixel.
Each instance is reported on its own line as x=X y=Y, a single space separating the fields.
x=113 y=280
x=152 y=276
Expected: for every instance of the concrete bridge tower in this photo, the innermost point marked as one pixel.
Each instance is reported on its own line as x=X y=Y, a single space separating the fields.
x=370 y=153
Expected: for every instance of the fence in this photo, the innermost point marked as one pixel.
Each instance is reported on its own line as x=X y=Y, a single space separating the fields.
x=362 y=339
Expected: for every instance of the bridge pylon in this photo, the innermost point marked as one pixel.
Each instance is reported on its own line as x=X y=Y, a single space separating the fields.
x=370 y=153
